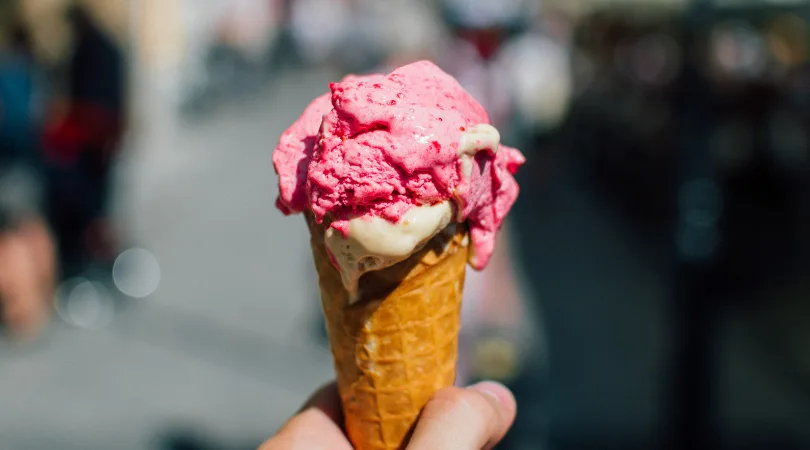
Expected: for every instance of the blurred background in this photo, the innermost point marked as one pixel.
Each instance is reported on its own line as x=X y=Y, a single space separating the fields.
x=652 y=286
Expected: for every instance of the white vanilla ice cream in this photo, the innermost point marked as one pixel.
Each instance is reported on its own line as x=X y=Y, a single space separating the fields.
x=373 y=243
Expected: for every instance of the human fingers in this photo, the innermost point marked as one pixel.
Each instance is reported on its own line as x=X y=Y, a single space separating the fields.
x=316 y=425
x=472 y=418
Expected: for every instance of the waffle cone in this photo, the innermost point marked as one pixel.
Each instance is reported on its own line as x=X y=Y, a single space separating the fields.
x=397 y=345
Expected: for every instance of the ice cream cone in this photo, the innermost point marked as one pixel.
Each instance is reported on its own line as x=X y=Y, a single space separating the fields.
x=411 y=184
x=397 y=344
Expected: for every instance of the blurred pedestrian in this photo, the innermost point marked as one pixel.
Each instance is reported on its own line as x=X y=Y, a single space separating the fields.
x=316 y=27
x=17 y=88
x=26 y=248
x=82 y=144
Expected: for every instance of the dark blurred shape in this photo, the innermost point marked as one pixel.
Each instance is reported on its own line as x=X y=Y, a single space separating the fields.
x=191 y=438
x=96 y=69
x=487 y=25
x=680 y=209
x=17 y=79
x=758 y=227
x=82 y=144
x=186 y=440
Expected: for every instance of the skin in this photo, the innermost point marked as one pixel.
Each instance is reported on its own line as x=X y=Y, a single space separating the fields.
x=472 y=418
x=42 y=249
x=26 y=281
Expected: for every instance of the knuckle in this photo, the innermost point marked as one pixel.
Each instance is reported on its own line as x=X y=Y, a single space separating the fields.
x=457 y=401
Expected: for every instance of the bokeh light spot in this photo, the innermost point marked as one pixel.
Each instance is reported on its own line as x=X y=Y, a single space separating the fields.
x=136 y=273
x=84 y=304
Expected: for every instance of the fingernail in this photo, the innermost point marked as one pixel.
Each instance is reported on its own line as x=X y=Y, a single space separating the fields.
x=495 y=390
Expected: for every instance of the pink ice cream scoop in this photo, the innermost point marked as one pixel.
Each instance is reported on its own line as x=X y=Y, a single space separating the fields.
x=379 y=146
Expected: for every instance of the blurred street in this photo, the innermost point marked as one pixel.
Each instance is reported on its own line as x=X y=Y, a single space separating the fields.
x=649 y=289
x=227 y=347
x=226 y=343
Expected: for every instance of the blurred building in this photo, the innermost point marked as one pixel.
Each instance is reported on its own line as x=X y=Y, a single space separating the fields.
x=688 y=148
